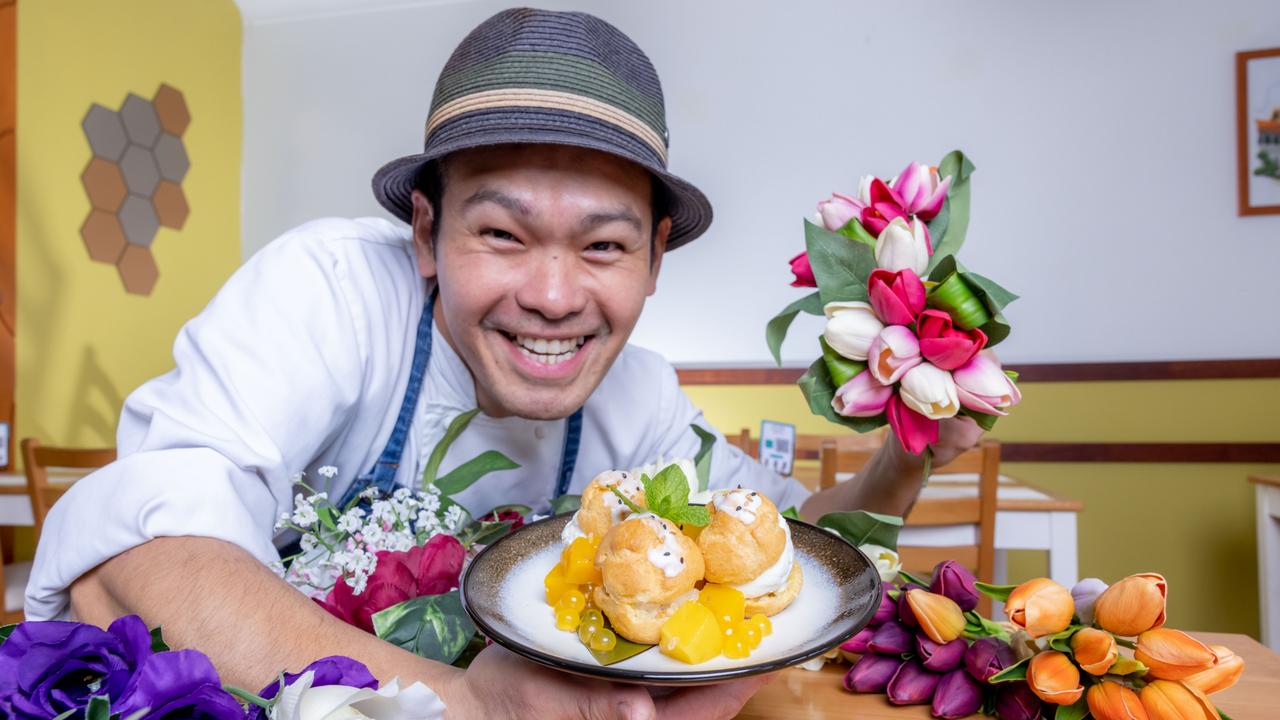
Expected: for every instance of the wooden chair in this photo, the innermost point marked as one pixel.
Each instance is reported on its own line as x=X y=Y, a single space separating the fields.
x=809 y=447
x=979 y=511
x=67 y=464
x=13 y=585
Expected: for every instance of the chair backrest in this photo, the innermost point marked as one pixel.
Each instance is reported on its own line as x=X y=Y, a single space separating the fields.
x=38 y=460
x=979 y=510
x=809 y=447
x=7 y=616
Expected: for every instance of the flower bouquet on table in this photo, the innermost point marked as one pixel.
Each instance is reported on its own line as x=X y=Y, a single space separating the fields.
x=67 y=670
x=909 y=329
x=390 y=564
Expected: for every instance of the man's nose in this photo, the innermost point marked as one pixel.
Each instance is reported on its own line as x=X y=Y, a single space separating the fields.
x=554 y=286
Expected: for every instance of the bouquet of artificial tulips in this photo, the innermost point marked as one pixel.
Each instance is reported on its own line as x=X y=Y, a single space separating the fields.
x=908 y=328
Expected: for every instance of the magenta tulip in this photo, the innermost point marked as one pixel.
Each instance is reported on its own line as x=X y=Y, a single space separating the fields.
x=883 y=206
x=872 y=673
x=888 y=609
x=906 y=615
x=858 y=643
x=892 y=353
x=914 y=431
x=942 y=657
x=912 y=684
x=982 y=385
x=837 y=211
x=891 y=638
x=956 y=696
x=944 y=345
x=1017 y=701
x=803 y=272
x=988 y=656
x=921 y=191
x=862 y=396
x=954 y=580
x=897 y=297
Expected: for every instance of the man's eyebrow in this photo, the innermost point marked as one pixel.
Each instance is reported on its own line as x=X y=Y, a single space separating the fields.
x=594 y=220
x=497 y=197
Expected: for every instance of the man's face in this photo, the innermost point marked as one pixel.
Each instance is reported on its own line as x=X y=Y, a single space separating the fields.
x=543 y=262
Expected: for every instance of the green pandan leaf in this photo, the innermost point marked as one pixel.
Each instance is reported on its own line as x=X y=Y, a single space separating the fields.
x=623 y=650
x=840 y=368
x=995 y=592
x=1016 y=671
x=954 y=295
x=855 y=231
x=702 y=461
x=861 y=527
x=435 y=627
x=1075 y=711
x=776 y=329
x=841 y=267
x=566 y=504
x=818 y=390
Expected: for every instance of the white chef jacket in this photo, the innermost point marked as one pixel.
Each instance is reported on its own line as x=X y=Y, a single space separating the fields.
x=302 y=360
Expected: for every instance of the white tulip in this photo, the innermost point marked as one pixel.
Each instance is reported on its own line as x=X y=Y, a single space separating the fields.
x=930 y=391
x=851 y=326
x=902 y=246
x=301 y=701
x=864 y=189
x=887 y=561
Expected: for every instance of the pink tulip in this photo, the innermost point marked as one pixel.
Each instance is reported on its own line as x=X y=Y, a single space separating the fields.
x=897 y=297
x=894 y=351
x=882 y=207
x=863 y=396
x=915 y=432
x=982 y=385
x=944 y=345
x=837 y=211
x=803 y=272
x=921 y=192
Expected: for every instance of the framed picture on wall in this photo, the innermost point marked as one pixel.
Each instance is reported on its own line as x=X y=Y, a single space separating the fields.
x=1258 y=131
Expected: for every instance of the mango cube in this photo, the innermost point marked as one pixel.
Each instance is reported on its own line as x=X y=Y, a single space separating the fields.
x=691 y=635
x=556 y=585
x=727 y=603
x=579 y=563
x=693 y=531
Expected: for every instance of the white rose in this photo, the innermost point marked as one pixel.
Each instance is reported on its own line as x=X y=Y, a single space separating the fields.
x=301 y=701
x=887 y=561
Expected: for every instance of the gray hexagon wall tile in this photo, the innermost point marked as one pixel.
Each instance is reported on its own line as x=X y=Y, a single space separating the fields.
x=134 y=181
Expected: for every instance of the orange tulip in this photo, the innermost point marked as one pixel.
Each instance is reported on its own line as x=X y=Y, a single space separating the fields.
x=1095 y=650
x=1113 y=701
x=1167 y=700
x=1172 y=654
x=1054 y=678
x=1132 y=606
x=939 y=616
x=1219 y=677
x=1040 y=606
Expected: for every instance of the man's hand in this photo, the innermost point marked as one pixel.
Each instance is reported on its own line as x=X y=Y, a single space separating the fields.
x=955 y=435
x=500 y=684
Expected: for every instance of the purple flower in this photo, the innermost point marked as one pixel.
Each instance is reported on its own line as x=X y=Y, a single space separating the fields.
x=858 y=643
x=954 y=580
x=178 y=684
x=912 y=684
x=333 y=670
x=906 y=615
x=940 y=658
x=888 y=607
x=891 y=638
x=47 y=668
x=871 y=674
x=957 y=696
x=1017 y=701
x=988 y=656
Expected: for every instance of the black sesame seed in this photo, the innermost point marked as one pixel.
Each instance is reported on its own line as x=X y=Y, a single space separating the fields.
x=753 y=494
x=739 y=507
x=666 y=554
x=681 y=561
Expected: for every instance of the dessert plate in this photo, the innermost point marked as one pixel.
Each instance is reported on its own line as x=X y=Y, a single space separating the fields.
x=502 y=590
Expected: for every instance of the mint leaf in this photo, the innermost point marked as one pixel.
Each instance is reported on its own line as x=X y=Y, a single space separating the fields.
x=695 y=515
x=627 y=501
x=666 y=492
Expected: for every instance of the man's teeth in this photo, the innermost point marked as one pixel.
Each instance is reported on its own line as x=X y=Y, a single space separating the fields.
x=549 y=352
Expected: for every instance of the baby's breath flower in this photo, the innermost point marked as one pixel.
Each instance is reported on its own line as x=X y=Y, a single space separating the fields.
x=327 y=472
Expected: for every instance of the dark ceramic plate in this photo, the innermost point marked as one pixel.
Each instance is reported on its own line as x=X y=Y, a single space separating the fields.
x=503 y=592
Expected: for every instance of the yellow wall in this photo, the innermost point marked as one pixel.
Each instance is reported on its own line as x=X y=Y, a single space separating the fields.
x=1194 y=523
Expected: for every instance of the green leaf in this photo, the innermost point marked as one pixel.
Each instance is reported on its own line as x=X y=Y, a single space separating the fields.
x=840 y=368
x=1075 y=711
x=666 y=491
x=5 y=632
x=1127 y=666
x=434 y=626
x=524 y=510
x=938 y=228
x=627 y=501
x=985 y=421
x=437 y=454
x=461 y=477
x=996 y=329
x=483 y=533
x=860 y=527
x=325 y=514
x=469 y=653
x=995 y=592
x=1016 y=671
x=695 y=515
x=1222 y=715
x=792 y=513
x=776 y=329
x=854 y=230
x=565 y=504
x=991 y=292
x=841 y=267
x=157 y=640
x=99 y=708
x=1061 y=641
x=623 y=650
x=818 y=389
x=68 y=713
x=702 y=461
x=976 y=626
x=913 y=579
x=958 y=166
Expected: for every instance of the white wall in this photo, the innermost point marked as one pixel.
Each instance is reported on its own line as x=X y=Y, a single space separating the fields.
x=1103 y=132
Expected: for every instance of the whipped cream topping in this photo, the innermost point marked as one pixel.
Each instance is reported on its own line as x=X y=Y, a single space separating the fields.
x=685 y=464
x=741 y=504
x=628 y=484
x=776 y=575
x=572 y=531
x=667 y=556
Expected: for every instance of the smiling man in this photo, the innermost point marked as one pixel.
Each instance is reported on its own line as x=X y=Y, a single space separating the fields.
x=540 y=213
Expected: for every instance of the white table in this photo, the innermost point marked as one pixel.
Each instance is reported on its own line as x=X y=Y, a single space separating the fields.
x=1267 y=496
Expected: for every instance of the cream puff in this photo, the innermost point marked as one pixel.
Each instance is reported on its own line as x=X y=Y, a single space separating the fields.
x=648 y=568
x=747 y=545
x=600 y=509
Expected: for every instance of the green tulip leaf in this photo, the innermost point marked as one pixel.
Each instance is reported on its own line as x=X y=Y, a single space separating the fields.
x=841 y=267
x=956 y=224
x=461 y=477
x=854 y=230
x=818 y=390
x=776 y=329
x=1061 y=641
x=565 y=504
x=157 y=641
x=1127 y=666
x=456 y=426
x=995 y=592
x=984 y=420
x=702 y=461
x=938 y=229
x=913 y=579
x=1074 y=711
x=861 y=527
x=433 y=626
x=1016 y=671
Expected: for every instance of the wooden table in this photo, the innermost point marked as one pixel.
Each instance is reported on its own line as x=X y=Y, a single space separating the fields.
x=1267 y=500
x=821 y=695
